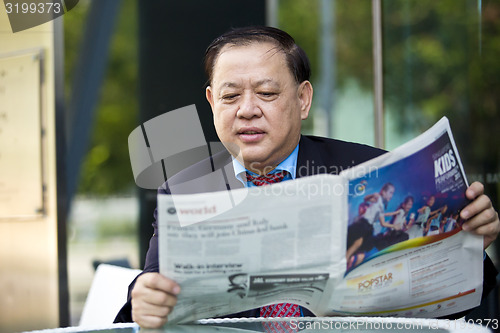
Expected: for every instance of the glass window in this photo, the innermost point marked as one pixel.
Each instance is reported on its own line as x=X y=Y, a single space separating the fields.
x=441 y=59
x=337 y=39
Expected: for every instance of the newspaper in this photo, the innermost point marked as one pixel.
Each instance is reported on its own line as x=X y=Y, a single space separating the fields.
x=381 y=239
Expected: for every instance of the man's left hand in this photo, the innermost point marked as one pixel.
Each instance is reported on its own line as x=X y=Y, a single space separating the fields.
x=481 y=218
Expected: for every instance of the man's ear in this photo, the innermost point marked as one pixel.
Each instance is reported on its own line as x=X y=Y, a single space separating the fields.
x=210 y=97
x=305 y=94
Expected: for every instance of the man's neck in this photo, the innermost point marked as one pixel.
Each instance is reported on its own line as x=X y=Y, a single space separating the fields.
x=261 y=170
x=289 y=164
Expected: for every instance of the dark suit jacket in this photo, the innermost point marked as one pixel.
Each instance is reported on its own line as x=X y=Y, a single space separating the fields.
x=316 y=156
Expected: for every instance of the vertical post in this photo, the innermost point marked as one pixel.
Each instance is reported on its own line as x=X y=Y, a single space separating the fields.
x=272 y=7
x=327 y=62
x=378 y=82
x=480 y=25
x=62 y=203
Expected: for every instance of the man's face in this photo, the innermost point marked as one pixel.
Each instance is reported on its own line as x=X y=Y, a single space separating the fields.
x=258 y=107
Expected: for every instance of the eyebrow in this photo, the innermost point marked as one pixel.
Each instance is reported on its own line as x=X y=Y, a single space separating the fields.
x=257 y=84
x=229 y=85
x=265 y=81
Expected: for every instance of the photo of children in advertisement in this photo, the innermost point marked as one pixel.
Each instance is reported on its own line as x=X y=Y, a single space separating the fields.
x=418 y=197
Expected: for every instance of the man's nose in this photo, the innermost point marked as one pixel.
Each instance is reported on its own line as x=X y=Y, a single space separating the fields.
x=249 y=107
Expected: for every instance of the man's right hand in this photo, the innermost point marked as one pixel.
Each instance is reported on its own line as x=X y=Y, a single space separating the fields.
x=153 y=298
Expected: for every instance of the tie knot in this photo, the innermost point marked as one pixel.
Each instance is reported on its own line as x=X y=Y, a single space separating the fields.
x=268 y=179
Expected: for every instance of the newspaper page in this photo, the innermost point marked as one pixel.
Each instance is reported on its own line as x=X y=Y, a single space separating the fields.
x=395 y=218
x=282 y=243
x=405 y=248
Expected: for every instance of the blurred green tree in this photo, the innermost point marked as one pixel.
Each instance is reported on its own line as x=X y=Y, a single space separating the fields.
x=441 y=59
x=106 y=169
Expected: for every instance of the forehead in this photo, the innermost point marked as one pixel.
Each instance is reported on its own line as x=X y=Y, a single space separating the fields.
x=263 y=48
x=250 y=58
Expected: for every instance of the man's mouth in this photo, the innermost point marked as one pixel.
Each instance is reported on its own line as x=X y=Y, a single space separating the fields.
x=251 y=132
x=249 y=135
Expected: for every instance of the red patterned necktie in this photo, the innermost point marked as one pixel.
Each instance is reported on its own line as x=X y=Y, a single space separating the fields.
x=268 y=179
x=280 y=309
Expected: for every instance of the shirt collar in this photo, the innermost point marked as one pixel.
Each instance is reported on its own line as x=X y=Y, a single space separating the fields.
x=289 y=164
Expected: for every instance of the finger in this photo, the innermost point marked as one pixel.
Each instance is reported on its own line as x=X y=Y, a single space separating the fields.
x=479 y=205
x=154 y=297
x=474 y=190
x=144 y=291
x=159 y=282
x=142 y=308
x=148 y=315
x=482 y=223
x=489 y=231
x=150 y=322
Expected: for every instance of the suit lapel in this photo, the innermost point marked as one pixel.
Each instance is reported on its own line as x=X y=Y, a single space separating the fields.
x=309 y=160
x=223 y=161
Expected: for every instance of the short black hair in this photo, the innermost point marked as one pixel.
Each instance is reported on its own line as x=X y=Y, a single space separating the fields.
x=297 y=60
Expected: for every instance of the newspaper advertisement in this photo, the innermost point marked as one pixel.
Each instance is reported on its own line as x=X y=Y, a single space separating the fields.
x=383 y=238
x=404 y=234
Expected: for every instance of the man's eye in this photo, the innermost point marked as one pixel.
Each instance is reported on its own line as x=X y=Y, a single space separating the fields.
x=268 y=94
x=229 y=97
